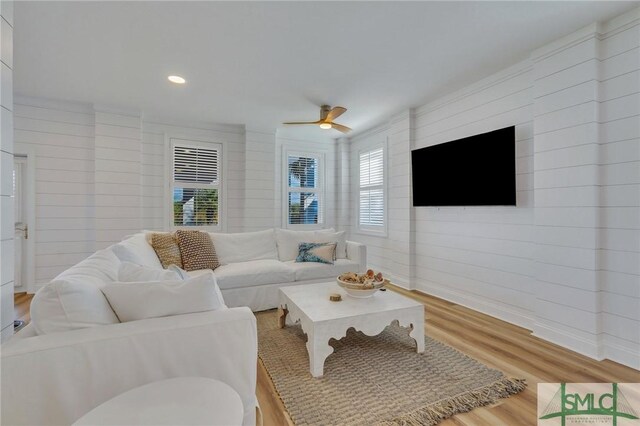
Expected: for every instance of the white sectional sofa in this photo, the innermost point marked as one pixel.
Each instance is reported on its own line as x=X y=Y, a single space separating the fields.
x=75 y=354
x=255 y=264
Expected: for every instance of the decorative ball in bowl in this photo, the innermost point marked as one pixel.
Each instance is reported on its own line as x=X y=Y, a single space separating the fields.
x=361 y=285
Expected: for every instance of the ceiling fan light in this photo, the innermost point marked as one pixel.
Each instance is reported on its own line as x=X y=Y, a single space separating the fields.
x=325 y=126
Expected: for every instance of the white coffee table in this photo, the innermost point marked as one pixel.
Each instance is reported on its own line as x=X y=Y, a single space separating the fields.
x=322 y=319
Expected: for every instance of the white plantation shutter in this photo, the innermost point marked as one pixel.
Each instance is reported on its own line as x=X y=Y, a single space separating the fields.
x=195 y=165
x=304 y=202
x=371 y=212
x=195 y=188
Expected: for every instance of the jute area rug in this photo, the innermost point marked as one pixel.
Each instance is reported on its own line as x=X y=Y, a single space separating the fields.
x=376 y=380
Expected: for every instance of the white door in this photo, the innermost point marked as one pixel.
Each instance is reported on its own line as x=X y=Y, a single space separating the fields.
x=21 y=228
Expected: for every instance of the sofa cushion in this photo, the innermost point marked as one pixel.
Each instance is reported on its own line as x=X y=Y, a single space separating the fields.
x=288 y=241
x=251 y=273
x=152 y=299
x=136 y=249
x=99 y=268
x=130 y=272
x=340 y=238
x=166 y=247
x=314 y=271
x=245 y=246
x=73 y=299
x=197 y=250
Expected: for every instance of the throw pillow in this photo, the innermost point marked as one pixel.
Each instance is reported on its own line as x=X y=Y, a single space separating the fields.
x=167 y=249
x=136 y=249
x=288 y=240
x=130 y=272
x=316 y=252
x=245 y=246
x=141 y=300
x=339 y=238
x=197 y=250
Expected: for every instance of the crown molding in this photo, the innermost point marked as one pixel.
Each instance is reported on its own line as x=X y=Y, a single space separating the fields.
x=506 y=74
x=69 y=106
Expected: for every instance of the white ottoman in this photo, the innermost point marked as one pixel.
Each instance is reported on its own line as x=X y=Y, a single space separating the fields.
x=178 y=401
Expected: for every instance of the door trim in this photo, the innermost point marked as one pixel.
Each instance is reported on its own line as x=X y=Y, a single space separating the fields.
x=30 y=285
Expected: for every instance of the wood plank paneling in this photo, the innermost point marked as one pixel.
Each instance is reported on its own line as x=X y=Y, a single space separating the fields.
x=6 y=169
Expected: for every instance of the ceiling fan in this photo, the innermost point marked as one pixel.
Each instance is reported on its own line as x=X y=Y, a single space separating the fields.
x=327 y=115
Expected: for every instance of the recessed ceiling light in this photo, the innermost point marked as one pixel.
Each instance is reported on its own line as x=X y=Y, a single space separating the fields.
x=325 y=126
x=176 y=79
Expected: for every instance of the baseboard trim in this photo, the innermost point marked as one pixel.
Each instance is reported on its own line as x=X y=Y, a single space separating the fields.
x=504 y=314
x=562 y=338
x=623 y=355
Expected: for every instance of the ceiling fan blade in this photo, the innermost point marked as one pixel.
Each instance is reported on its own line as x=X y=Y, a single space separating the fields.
x=340 y=127
x=335 y=113
x=303 y=122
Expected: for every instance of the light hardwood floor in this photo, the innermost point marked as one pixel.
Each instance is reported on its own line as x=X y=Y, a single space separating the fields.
x=21 y=302
x=496 y=343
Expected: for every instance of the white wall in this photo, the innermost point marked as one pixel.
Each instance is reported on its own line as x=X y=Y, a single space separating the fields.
x=61 y=136
x=564 y=262
x=102 y=173
x=261 y=206
x=619 y=195
x=6 y=169
x=117 y=175
x=481 y=256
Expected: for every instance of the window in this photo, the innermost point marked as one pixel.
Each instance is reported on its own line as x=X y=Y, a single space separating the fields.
x=196 y=185
x=304 y=192
x=372 y=197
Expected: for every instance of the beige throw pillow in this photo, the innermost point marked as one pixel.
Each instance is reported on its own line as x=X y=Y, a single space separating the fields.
x=197 y=250
x=166 y=247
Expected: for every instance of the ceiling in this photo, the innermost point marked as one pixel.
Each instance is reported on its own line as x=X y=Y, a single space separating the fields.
x=262 y=63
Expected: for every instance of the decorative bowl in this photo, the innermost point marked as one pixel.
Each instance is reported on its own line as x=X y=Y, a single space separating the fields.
x=358 y=291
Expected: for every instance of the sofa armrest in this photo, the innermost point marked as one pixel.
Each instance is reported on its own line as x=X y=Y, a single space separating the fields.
x=56 y=378
x=357 y=252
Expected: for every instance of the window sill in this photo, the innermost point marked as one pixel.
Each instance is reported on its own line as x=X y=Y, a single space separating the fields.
x=372 y=233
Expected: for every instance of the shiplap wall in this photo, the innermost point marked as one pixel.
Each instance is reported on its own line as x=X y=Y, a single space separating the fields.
x=118 y=177
x=586 y=190
x=61 y=136
x=481 y=257
x=261 y=205
x=6 y=169
x=565 y=261
x=101 y=175
x=343 y=185
x=619 y=219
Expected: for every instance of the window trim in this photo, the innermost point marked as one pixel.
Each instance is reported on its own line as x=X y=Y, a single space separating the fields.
x=320 y=189
x=170 y=143
x=378 y=231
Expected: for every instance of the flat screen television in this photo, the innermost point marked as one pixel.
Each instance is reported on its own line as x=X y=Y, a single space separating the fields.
x=478 y=170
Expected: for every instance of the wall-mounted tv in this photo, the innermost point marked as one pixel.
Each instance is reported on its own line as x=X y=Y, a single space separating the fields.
x=478 y=170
